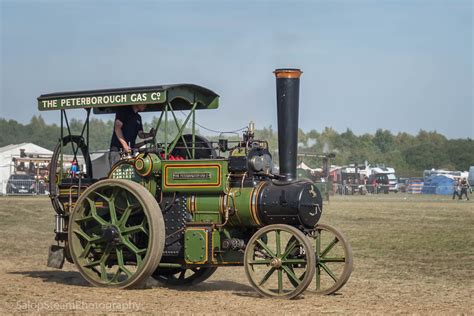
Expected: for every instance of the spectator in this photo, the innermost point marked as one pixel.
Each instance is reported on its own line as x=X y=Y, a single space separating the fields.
x=464 y=186
x=374 y=185
x=457 y=189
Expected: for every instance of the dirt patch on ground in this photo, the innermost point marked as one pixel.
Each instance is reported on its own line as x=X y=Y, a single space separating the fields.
x=412 y=254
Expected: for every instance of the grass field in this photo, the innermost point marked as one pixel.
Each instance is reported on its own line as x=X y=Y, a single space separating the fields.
x=412 y=254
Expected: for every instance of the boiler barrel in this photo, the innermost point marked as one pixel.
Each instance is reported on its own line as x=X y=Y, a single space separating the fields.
x=298 y=203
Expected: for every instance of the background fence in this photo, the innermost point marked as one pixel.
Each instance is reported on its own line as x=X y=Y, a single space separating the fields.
x=415 y=188
x=35 y=187
x=23 y=187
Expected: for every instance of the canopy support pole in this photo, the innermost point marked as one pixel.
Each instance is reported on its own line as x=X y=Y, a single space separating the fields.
x=180 y=131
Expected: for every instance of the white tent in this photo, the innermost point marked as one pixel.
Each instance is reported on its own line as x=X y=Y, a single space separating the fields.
x=304 y=166
x=10 y=151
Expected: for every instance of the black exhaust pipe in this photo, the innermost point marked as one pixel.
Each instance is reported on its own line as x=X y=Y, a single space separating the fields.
x=288 y=89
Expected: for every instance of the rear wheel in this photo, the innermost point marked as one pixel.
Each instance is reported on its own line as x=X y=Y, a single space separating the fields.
x=333 y=259
x=57 y=172
x=202 y=147
x=116 y=234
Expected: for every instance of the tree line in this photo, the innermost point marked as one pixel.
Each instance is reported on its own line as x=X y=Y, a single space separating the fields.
x=408 y=154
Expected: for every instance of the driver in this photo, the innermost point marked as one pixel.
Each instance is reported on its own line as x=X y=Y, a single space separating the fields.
x=127 y=125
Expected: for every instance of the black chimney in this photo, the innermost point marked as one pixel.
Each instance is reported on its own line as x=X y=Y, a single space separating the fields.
x=288 y=88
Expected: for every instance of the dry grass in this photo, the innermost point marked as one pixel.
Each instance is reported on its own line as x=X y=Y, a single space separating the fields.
x=412 y=254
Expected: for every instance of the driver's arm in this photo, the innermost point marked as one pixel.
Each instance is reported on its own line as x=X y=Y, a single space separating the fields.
x=118 y=131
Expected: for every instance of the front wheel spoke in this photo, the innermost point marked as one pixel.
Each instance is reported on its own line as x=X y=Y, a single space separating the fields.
x=266 y=276
x=181 y=275
x=329 y=247
x=324 y=260
x=328 y=271
x=278 y=245
x=293 y=261
x=260 y=261
x=280 y=281
x=265 y=247
x=291 y=274
x=289 y=248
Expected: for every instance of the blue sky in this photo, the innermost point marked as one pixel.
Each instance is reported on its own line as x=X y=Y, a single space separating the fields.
x=398 y=65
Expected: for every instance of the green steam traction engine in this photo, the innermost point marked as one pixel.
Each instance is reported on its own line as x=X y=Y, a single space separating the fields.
x=180 y=208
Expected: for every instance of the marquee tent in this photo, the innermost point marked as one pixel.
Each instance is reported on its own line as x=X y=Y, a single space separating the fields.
x=6 y=159
x=438 y=184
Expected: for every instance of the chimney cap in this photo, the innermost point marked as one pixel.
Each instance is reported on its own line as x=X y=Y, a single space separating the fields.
x=287 y=73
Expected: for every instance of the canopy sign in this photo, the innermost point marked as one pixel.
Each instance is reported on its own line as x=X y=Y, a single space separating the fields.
x=102 y=100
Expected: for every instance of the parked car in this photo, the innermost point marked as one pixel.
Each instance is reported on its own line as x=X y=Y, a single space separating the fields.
x=21 y=184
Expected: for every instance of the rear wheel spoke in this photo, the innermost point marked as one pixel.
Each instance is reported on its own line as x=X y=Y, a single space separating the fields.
x=328 y=271
x=329 y=247
x=132 y=247
x=133 y=230
x=324 y=260
x=318 y=277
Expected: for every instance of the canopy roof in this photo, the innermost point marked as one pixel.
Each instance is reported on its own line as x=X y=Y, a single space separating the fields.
x=179 y=96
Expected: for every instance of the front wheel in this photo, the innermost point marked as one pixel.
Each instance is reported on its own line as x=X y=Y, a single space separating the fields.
x=275 y=270
x=116 y=234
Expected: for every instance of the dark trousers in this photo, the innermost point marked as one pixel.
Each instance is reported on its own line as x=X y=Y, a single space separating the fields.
x=463 y=191
x=114 y=156
x=456 y=193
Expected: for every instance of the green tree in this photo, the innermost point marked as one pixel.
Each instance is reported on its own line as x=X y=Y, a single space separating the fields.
x=384 y=140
